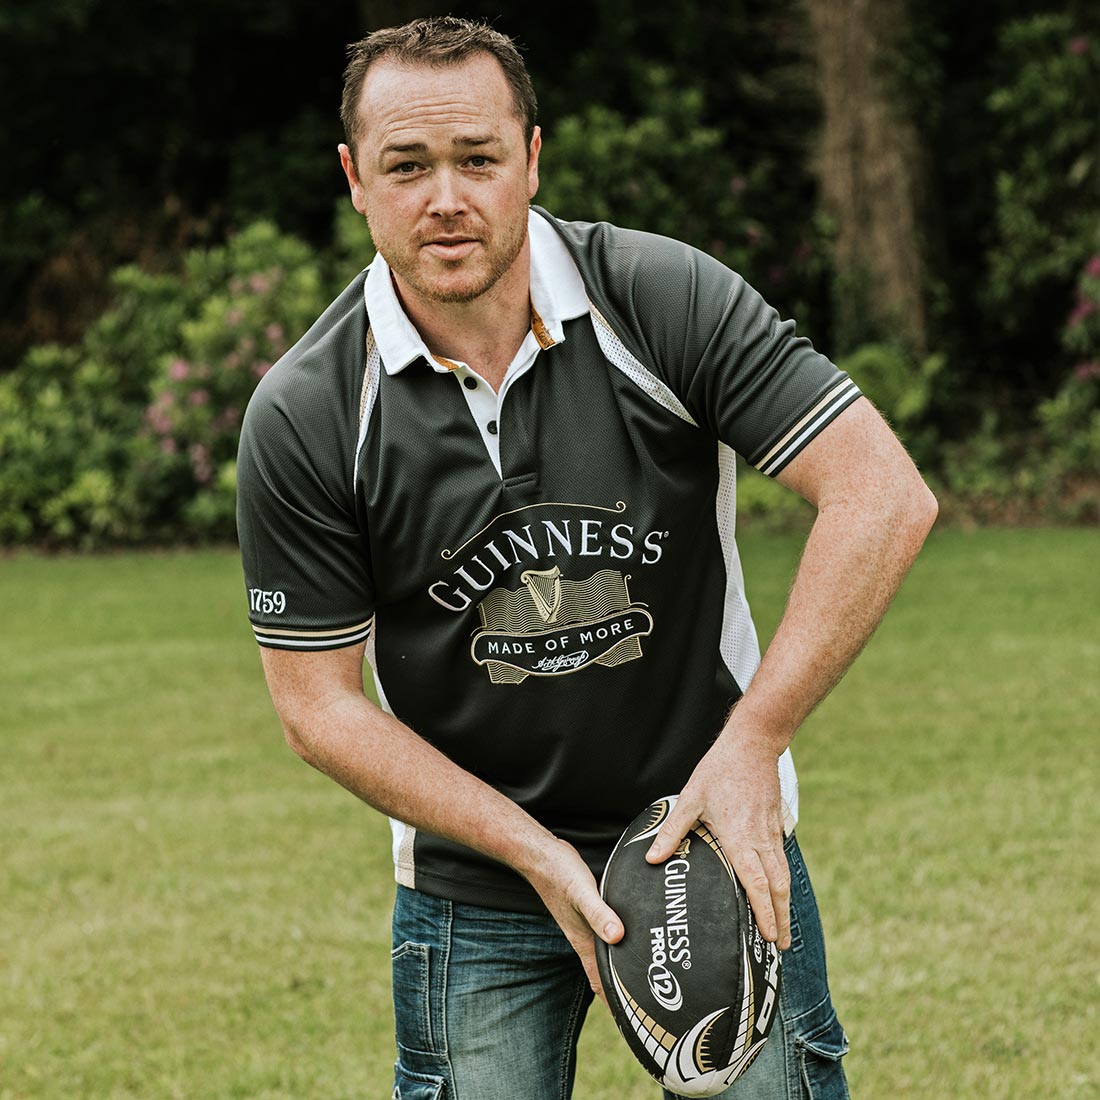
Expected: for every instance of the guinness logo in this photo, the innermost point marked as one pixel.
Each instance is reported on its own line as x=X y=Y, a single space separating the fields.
x=554 y=625
x=545 y=588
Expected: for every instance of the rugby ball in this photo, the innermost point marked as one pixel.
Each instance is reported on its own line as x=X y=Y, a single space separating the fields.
x=693 y=985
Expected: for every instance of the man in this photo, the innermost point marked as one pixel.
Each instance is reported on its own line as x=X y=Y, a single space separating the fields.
x=501 y=465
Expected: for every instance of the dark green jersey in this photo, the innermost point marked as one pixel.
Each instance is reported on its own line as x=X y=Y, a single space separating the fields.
x=553 y=597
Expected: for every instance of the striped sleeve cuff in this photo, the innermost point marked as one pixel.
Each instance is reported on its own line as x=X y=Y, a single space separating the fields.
x=272 y=637
x=809 y=425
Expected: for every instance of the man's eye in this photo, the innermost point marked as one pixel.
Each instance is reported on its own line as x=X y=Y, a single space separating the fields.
x=405 y=168
x=479 y=162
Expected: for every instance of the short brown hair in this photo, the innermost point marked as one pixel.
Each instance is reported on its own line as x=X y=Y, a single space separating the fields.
x=439 y=40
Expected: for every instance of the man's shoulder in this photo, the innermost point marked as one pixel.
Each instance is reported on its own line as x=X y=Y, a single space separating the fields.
x=319 y=378
x=603 y=243
x=334 y=342
x=639 y=278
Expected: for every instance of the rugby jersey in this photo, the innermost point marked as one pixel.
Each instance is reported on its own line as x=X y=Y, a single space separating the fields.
x=547 y=578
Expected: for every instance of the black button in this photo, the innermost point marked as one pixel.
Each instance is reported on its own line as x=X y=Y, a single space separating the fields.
x=492 y=427
x=470 y=383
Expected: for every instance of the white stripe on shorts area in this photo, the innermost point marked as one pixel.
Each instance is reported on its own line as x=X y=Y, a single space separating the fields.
x=844 y=393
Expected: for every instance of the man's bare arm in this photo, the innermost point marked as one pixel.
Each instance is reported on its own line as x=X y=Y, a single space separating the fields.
x=335 y=728
x=874 y=512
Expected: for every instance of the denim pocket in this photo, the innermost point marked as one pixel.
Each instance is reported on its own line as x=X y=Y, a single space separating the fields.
x=416 y=1086
x=820 y=1043
x=412 y=998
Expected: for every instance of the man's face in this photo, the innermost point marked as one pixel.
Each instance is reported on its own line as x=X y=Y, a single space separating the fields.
x=444 y=175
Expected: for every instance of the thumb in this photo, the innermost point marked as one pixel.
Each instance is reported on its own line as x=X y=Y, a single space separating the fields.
x=676 y=827
x=602 y=919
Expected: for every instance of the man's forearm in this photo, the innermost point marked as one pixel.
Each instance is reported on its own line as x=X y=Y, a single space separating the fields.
x=857 y=554
x=380 y=760
x=335 y=728
x=874 y=512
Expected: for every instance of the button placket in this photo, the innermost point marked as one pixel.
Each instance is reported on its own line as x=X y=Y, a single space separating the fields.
x=484 y=405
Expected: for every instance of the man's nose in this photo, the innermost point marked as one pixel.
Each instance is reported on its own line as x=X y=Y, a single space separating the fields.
x=447 y=199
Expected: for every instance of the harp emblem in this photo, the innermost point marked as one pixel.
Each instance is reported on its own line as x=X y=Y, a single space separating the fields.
x=545 y=588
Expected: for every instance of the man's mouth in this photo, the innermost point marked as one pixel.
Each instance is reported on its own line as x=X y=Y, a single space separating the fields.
x=451 y=248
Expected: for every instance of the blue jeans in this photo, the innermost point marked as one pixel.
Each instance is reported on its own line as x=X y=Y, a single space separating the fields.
x=489 y=1005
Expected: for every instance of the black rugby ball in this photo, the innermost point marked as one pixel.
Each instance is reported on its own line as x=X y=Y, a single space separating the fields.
x=693 y=985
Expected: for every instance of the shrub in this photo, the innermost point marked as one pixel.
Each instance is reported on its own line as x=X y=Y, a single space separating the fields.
x=1048 y=189
x=1070 y=419
x=900 y=389
x=132 y=435
x=261 y=292
x=664 y=172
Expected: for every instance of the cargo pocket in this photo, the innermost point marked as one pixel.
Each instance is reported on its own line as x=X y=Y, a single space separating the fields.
x=820 y=1043
x=416 y=1086
x=412 y=998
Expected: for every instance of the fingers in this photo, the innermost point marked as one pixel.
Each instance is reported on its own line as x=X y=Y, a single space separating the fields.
x=567 y=887
x=761 y=865
x=677 y=825
x=779 y=886
x=585 y=950
x=585 y=918
x=767 y=882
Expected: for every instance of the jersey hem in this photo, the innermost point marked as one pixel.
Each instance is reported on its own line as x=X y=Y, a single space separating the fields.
x=469 y=892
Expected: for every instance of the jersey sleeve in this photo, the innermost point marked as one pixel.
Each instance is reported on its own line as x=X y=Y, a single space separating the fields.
x=763 y=389
x=306 y=560
x=724 y=353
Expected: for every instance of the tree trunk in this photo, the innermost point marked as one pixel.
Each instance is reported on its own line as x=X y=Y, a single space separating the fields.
x=870 y=171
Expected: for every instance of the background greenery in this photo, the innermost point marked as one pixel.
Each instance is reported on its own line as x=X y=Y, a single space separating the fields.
x=189 y=911
x=920 y=188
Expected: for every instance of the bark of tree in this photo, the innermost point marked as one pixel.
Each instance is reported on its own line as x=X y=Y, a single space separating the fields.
x=870 y=170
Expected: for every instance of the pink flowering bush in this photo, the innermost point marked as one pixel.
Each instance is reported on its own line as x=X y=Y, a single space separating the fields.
x=1047 y=126
x=132 y=436
x=264 y=291
x=1081 y=336
x=1071 y=418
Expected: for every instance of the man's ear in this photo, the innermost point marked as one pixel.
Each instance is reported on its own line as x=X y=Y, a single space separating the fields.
x=358 y=199
x=533 y=162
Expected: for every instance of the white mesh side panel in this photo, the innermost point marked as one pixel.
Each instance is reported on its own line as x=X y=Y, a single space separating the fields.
x=618 y=356
x=404 y=871
x=403 y=835
x=739 y=646
x=404 y=864
x=367 y=393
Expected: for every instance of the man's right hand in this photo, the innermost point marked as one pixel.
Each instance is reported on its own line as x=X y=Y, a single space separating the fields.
x=568 y=889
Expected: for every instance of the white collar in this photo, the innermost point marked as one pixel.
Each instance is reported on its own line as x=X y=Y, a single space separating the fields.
x=557 y=295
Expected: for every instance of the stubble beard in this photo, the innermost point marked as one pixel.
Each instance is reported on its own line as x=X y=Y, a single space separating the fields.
x=407 y=265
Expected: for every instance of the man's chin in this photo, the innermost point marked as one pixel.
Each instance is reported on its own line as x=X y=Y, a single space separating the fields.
x=466 y=287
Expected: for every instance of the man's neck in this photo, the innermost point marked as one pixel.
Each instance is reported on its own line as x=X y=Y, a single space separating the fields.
x=485 y=333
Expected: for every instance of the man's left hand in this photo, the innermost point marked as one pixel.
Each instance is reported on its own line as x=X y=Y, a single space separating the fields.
x=734 y=791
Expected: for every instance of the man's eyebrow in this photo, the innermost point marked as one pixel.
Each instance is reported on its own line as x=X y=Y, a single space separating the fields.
x=408 y=147
x=472 y=142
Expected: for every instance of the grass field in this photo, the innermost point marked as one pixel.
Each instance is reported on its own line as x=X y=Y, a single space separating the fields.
x=186 y=910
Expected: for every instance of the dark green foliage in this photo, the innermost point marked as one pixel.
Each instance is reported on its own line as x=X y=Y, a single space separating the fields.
x=132 y=436
x=1047 y=123
x=137 y=133
x=664 y=172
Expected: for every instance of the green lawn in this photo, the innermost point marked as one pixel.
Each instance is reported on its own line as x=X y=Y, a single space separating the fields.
x=187 y=910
